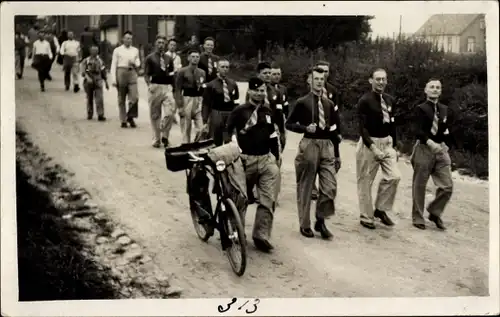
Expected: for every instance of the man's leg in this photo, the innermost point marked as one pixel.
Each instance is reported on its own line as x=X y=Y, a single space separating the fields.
x=133 y=97
x=67 y=74
x=22 y=60
x=325 y=206
x=99 y=101
x=196 y=115
x=18 y=64
x=216 y=127
x=389 y=182
x=444 y=183
x=168 y=110
x=75 y=70
x=268 y=175
x=306 y=165
x=422 y=162
x=89 y=93
x=185 y=114
x=122 y=91
x=366 y=170
x=155 y=102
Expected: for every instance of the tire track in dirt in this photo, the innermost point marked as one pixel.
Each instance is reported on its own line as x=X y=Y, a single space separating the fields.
x=129 y=178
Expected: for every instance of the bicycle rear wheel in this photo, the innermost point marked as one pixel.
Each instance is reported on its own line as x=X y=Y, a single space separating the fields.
x=199 y=201
x=237 y=252
x=204 y=231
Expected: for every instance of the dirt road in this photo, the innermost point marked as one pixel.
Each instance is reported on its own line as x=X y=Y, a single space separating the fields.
x=128 y=178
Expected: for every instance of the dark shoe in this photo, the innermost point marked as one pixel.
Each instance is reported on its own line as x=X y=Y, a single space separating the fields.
x=439 y=223
x=132 y=123
x=320 y=227
x=49 y=77
x=66 y=88
x=89 y=117
x=382 y=215
x=19 y=76
x=124 y=125
x=164 y=141
x=307 y=232
x=101 y=118
x=42 y=88
x=156 y=145
x=76 y=89
x=262 y=245
x=367 y=225
x=420 y=226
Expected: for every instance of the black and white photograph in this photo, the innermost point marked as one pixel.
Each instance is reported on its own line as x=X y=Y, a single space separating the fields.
x=266 y=158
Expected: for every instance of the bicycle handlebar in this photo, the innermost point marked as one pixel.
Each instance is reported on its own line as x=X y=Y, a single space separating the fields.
x=195 y=158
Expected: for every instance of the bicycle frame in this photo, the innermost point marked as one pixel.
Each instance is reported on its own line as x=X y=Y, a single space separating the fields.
x=219 y=189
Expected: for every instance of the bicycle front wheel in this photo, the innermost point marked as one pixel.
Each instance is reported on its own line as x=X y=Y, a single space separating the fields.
x=237 y=252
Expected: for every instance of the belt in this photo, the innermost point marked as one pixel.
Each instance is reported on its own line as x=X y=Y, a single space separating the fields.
x=128 y=68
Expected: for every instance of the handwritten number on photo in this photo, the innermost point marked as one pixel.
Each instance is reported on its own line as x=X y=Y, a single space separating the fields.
x=252 y=310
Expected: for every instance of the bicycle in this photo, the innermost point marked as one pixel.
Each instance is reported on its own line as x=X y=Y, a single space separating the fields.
x=194 y=159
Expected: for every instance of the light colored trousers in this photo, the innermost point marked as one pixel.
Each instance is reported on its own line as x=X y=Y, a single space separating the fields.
x=71 y=70
x=261 y=171
x=426 y=164
x=190 y=111
x=315 y=158
x=366 y=170
x=161 y=110
x=126 y=82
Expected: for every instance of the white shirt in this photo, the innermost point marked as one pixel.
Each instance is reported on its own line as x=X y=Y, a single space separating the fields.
x=42 y=48
x=177 y=60
x=122 y=57
x=70 y=48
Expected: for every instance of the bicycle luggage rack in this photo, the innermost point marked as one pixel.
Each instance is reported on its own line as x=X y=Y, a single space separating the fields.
x=178 y=158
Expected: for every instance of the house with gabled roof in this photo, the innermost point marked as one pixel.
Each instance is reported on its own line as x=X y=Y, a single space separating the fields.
x=455 y=33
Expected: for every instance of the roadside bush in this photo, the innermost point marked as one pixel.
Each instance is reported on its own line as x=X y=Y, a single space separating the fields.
x=409 y=66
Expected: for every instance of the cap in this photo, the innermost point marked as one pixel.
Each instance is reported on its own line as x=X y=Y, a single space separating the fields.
x=254 y=83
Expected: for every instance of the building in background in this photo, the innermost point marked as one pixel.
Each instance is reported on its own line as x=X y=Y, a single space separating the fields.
x=455 y=33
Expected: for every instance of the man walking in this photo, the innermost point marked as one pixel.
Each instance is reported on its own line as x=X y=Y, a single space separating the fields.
x=280 y=88
x=189 y=86
x=94 y=73
x=70 y=51
x=376 y=148
x=220 y=97
x=87 y=39
x=54 y=47
x=208 y=60
x=315 y=116
x=124 y=65
x=430 y=157
x=42 y=58
x=251 y=126
x=331 y=93
x=177 y=60
x=159 y=76
x=20 y=43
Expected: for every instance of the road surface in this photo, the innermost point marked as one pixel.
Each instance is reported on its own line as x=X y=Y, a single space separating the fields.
x=128 y=178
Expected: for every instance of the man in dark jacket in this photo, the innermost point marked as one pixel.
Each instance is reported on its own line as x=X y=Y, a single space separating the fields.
x=20 y=53
x=87 y=39
x=208 y=60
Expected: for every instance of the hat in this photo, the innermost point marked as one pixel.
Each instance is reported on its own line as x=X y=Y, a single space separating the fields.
x=254 y=83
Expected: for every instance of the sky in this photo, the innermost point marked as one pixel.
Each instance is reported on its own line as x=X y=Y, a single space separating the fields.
x=385 y=25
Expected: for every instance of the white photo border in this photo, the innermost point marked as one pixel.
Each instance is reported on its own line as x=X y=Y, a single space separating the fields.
x=268 y=306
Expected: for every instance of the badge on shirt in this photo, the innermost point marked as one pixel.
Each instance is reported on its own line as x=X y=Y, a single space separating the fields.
x=444 y=120
x=275 y=97
x=389 y=108
x=446 y=132
x=203 y=86
x=279 y=106
x=215 y=64
x=333 y=127
x=330 y=96
x=284 y=97
x=201 y=79
x=268 y=118
x=392 y=119
x=336 y=108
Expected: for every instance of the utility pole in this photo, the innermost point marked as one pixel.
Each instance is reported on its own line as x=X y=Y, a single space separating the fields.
x=400 y=23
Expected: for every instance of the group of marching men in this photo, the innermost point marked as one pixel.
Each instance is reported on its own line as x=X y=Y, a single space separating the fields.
x=202 y=93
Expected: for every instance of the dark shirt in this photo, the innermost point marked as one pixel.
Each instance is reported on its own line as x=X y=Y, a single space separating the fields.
x=203 y=64
x=87 y=39
x=305 y=112
x=423 y=121
x=190 y=81
x=94 y=67
x=276 y=105
x=153 y=71
x=213 y=97
x=20 y=46
x=371 y=118
x=257 y=139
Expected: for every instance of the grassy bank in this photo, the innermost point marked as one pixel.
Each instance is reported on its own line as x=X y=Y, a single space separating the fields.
x=51 y=264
